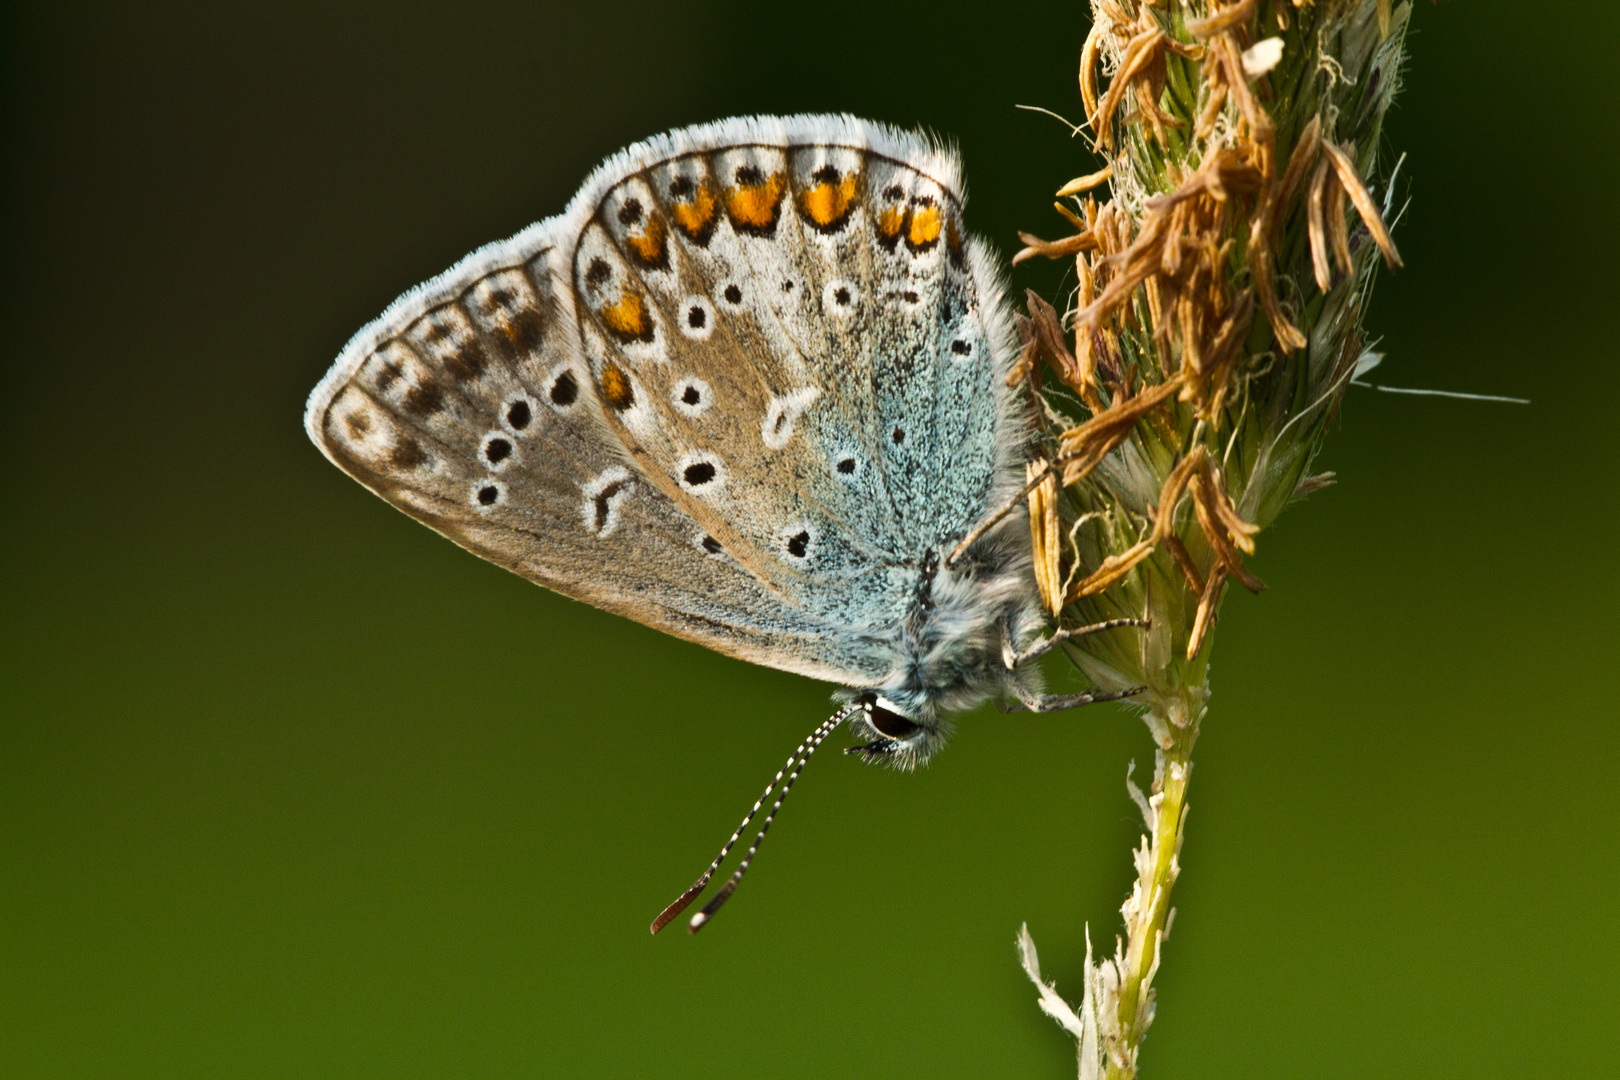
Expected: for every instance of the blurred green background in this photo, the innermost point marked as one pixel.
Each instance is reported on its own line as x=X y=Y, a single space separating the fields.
x=290 y=786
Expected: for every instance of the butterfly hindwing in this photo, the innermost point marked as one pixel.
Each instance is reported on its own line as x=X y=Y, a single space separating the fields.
x=793 y=334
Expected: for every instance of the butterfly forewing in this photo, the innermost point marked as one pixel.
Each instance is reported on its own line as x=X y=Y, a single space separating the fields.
x=468 y=407
x=743 y=390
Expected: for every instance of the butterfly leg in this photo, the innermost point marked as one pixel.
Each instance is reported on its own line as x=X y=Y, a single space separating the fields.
x=1015 y=659
x=1045 y=703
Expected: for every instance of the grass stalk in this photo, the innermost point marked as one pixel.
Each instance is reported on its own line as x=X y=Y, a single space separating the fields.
x=1190 y=379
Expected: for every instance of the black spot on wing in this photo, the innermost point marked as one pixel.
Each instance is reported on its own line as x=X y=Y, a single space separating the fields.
x=564 y=389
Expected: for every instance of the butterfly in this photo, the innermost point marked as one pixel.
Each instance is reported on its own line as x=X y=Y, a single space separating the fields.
x=750 y=388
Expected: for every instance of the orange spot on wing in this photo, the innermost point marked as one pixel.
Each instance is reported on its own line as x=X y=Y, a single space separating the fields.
x=616 y=387
x=891 y=222
x=925 y=227
x=695 y=218
x=649 y=248
x=827 y=204
x=628 y=319
x=753 y=207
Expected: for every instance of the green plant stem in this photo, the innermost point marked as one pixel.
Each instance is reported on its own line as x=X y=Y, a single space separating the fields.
x=1174 y=719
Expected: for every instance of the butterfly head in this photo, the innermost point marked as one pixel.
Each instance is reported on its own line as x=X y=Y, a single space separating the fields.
x=895 y=734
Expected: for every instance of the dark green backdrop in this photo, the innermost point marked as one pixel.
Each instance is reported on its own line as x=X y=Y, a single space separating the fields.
x=289 y=786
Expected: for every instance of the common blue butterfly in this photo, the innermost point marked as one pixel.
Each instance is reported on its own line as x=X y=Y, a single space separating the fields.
x=749 y=388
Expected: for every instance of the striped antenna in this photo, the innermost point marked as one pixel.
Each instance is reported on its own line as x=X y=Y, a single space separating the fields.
x=795 y=765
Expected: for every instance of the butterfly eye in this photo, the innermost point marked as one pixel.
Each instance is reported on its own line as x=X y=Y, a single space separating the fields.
x=888 y=723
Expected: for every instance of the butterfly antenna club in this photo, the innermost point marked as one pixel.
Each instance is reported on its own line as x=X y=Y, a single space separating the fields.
x=794 y=765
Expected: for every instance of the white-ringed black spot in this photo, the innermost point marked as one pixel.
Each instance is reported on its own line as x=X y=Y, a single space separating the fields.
x=798 y=541
x=564 y=389
x=696 y=320
x=519 y=414
x=787 y=285
x=846 y=465
x=700 y=473
x=488 y=494
x=496 y=450
x=732 y=294
x=691 y=397
x=840 y=299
